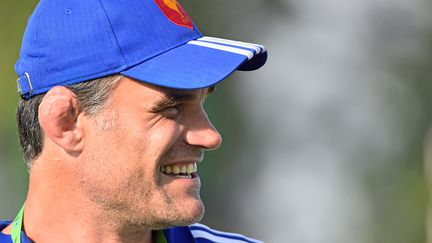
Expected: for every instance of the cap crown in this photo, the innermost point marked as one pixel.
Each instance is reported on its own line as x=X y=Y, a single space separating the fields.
x=70 y=41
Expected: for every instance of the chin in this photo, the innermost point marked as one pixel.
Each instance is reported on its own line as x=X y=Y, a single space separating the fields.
x=174 y=210
x=193 y=213
x=185 y=212
x=180 y=217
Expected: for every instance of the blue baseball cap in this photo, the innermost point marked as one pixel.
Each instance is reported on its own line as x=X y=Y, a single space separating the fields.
x=154 y=41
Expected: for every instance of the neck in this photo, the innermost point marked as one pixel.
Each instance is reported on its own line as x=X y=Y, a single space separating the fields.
x=57 y=210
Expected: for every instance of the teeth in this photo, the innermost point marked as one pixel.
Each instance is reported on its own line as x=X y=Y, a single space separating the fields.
x=183 y=171
x=190 y=169
x=168 y=170
x=176 y=170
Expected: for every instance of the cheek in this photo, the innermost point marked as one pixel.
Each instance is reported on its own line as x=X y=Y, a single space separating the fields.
x=116 y=171
x=161 y=137
x=121 y=146
x=108 y=151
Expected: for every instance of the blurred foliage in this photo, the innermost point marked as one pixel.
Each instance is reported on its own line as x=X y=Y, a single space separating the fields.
x=399 y=191
x=13 y=181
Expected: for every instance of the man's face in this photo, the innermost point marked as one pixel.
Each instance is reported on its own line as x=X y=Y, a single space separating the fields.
x=140 y=151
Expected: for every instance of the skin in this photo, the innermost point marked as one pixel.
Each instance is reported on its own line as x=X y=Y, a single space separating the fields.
x=98 y=177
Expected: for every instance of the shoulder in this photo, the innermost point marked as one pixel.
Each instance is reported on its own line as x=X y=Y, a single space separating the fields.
x=204 y=234
x=3 y=237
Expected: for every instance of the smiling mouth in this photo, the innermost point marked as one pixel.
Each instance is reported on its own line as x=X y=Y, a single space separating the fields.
x=184 y=171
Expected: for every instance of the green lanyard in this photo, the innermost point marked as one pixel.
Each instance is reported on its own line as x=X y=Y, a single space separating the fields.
x=160 y=237
x=17 y=226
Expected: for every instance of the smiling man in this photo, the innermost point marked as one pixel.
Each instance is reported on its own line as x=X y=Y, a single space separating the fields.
x=112 y=124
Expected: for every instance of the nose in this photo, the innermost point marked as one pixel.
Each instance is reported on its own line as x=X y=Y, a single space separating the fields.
x=202 y=133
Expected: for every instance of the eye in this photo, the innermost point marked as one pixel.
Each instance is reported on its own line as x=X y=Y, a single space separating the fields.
x=172 y=111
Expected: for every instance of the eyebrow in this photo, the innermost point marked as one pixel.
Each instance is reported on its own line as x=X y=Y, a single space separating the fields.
x=174 y=98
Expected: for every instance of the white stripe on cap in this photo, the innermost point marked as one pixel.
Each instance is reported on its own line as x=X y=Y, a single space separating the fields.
x=258 y=48
x=248 y=54
x=215 y=238
x=197 y=227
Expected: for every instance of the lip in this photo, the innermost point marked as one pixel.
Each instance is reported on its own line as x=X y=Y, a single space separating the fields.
x=192 y=182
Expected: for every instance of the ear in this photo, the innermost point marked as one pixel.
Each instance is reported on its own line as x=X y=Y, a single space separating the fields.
x=58 y=117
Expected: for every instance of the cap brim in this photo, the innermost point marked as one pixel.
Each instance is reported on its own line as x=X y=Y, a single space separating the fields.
x=199 y=63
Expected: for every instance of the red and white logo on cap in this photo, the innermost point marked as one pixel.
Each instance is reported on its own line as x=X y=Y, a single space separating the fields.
x=175 y=12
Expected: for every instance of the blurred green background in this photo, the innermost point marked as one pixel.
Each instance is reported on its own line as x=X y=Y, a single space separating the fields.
x=324 y=144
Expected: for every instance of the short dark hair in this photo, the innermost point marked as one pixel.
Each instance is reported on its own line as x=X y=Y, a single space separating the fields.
x=91 y=95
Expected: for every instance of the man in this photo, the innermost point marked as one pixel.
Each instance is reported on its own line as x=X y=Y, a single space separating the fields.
x=111 y=121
